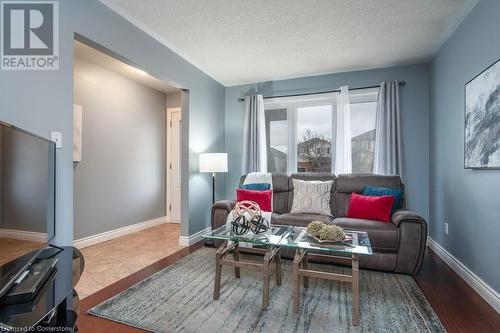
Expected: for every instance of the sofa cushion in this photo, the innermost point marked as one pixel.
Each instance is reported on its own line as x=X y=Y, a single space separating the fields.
x=280 y=191
x=380 y=190
x=300 y=220
x=256 y=186
x=348 y=183
x=371 y=207
x=383 y=236
x=262 y=198
x=311 y=197
x=323 y=177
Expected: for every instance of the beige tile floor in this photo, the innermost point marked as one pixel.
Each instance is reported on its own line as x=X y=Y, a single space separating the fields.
x=10 y=248
x=111 y=261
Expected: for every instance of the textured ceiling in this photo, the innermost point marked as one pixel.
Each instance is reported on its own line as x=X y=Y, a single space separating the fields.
x=242 y=41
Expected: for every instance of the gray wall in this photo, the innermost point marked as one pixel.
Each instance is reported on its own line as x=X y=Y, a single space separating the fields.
x=41 y=101
x=467 y=199
x=121 y=178
x=173 y=100
x=415 y=118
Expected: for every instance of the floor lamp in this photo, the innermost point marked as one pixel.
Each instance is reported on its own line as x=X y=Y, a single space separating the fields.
x=213 y=162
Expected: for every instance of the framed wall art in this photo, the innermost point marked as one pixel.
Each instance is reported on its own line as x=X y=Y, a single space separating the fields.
x=482 y=120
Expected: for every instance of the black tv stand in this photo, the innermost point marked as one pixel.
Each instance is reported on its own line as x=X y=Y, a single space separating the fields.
x=54 y=305
x=30 y=283
x=49 y=252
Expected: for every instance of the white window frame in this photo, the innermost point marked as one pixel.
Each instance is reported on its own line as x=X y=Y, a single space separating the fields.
x=363 y=95
x=291 y=104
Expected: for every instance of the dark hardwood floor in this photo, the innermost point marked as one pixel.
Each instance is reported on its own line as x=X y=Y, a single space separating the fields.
x=458 y=306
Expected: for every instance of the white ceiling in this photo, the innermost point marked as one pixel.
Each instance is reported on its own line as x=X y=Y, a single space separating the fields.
x=243 y=41
x=85 y=52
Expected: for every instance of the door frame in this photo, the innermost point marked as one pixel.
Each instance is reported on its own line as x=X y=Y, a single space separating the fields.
x=169 y=161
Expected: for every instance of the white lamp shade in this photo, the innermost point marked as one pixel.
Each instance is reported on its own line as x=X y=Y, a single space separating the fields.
x=213 y=162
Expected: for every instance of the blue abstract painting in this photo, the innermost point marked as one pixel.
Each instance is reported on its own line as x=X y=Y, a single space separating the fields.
x=482 y=119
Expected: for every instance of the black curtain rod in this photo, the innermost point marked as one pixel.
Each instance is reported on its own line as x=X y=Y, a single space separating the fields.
x=401 y=83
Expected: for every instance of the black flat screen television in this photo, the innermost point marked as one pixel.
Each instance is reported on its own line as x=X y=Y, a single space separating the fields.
x=27 y=200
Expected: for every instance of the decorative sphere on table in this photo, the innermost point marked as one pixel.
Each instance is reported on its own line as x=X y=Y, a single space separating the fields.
x=331 y=232
x=240 y=225
x=325 y=231
x=246 y=206
x=315 y=227
x=247 y=215
x=259 y=225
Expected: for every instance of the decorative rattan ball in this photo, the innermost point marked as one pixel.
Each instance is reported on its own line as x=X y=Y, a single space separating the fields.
x=249 y=207
x=332 y=233
x=315 y=227
x=246 y=215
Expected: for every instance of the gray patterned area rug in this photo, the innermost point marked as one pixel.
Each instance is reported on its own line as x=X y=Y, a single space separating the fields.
x=179 y=299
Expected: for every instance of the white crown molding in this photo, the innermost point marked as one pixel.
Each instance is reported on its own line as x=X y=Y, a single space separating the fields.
x=194 y=238
x=455 y=22
x=112 y=234
x=481 y=287
x=24 y=235
x=139 y=24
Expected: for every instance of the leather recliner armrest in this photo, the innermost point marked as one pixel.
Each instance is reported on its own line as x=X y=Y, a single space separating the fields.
x=405 y=215
x=412 y=241
x=224 y=204
x=220 y=211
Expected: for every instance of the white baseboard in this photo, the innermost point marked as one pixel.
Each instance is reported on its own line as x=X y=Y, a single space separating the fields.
x=112 y=234
x=481 y=287
x=193 y=239
x=24 y=235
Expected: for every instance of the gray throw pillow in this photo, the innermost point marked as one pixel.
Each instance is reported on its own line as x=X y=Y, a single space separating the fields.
x=312 y=197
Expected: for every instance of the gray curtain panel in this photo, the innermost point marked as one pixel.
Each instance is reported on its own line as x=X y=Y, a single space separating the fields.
x=388 y=157
x=254 y=151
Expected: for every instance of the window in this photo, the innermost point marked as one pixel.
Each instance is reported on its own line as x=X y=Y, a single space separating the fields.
x=301 y=132
x=363 y=136
x=314 y=138
x=277 y=140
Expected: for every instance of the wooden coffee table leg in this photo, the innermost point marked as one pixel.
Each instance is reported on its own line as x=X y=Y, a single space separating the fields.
x=218 y=270
x=305 y=265
x=355 y=290
x=278 y=268
x=236 y=257
x=296 y=280
x=265 y=275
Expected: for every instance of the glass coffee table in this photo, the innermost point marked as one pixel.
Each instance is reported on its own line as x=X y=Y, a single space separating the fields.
x=267 y=244
x=346 y=252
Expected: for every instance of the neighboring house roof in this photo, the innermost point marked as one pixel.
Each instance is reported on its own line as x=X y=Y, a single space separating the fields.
x=367 y=136
x=276 y=153
x=313 y=142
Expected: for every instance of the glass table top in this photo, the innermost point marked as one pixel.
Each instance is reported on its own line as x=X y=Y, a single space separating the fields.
x=272 y=237
x=298 y=238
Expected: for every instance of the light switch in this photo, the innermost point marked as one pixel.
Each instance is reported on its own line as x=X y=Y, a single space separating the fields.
x=57 y=138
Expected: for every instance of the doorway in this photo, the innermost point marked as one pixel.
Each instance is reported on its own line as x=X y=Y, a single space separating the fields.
x=120 y=175
x=174 y=144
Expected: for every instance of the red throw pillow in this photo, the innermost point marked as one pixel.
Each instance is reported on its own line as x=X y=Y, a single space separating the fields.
x=262 y=198
x=377 y=208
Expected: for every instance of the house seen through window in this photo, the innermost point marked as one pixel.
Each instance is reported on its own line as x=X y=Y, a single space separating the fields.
x=301 y=132
x=314 y=138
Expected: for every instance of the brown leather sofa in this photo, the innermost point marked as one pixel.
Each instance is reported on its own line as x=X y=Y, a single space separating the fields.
x=397 y=246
